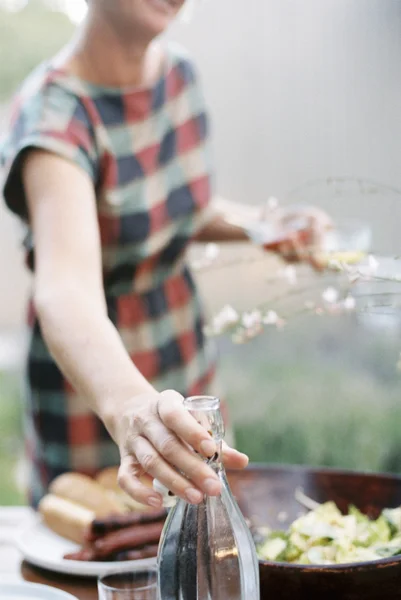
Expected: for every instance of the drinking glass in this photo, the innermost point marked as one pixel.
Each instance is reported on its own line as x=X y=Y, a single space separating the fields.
x=139 y=584
x=349 y=241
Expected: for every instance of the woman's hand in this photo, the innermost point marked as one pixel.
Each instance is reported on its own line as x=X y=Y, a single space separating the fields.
x=302 y=230
x=298 y=231
x=158 y=436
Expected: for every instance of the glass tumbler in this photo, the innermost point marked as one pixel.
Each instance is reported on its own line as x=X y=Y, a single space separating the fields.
x=140 y=584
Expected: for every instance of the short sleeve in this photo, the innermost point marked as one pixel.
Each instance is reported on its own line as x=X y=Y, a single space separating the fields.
x=54 y=119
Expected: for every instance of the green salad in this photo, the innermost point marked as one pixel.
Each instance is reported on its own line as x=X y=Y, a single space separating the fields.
x=324 y=536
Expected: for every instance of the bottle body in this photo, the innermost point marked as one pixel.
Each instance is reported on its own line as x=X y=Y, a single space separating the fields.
x=206 y=551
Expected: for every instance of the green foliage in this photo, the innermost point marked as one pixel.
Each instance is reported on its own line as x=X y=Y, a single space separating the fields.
x=27 y=38
x=11 y=438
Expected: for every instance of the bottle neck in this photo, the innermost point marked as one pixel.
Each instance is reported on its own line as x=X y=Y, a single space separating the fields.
x=206 y=411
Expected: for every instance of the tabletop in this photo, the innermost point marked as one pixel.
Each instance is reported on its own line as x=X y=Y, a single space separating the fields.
x=13 y=567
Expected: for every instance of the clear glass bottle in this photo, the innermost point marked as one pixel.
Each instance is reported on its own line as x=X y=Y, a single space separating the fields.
x=206 y=551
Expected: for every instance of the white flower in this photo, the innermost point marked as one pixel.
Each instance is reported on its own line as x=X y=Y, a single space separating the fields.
x=227 y=317
x=251 y=319
x=330 y=295
x=349 y=303
x=271 y=318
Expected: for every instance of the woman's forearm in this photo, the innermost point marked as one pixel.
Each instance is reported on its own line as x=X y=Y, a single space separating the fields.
x=225 y=224
x=88 y=349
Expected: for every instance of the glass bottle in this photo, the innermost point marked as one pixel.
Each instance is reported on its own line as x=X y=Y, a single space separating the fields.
x=206 y=551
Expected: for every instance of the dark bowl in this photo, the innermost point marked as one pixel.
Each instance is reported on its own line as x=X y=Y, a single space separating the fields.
x=265 y=493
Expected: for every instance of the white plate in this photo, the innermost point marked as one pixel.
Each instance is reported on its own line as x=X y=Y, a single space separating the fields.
x=45 y=549
x=32 y=591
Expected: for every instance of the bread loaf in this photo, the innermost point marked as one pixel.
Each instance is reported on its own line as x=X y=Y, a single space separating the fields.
x=66 y=518
x=88 y=493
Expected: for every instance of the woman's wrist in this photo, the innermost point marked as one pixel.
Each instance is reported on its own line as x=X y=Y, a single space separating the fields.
x=220 y=229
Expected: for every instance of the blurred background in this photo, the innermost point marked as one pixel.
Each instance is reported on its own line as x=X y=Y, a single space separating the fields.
x=305 y=99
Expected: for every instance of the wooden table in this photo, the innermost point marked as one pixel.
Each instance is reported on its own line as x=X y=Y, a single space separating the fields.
x=13 y=568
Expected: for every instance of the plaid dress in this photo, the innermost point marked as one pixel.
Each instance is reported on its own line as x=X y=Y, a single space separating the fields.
x=147 y=153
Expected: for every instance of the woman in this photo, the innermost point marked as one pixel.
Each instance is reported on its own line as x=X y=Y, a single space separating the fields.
x=107 y=160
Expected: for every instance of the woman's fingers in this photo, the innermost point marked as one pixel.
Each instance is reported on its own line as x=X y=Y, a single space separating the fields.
x=178 y=419
x=128 y=479
x=160 y=439
x=319 y=225
x=184 y=459
x=148 y=460
x=304 y=245
x=233 y=459
x=154 y=464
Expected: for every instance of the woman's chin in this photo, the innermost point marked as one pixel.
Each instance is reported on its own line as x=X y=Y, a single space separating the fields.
x=160 y=14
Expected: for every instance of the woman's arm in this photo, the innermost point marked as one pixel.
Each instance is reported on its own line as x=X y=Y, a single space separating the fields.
x=71 y=307
x=68 y=288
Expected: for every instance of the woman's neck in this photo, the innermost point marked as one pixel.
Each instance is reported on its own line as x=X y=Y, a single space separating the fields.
x=98 y=54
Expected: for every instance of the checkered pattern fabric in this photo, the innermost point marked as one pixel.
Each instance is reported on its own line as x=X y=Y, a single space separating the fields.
x=147 y=152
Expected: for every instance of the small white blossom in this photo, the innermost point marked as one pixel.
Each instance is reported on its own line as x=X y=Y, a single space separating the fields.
x=251 y=319
x=227 y=317
x=330 y=295
x=271 y=318
x=349 y=303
